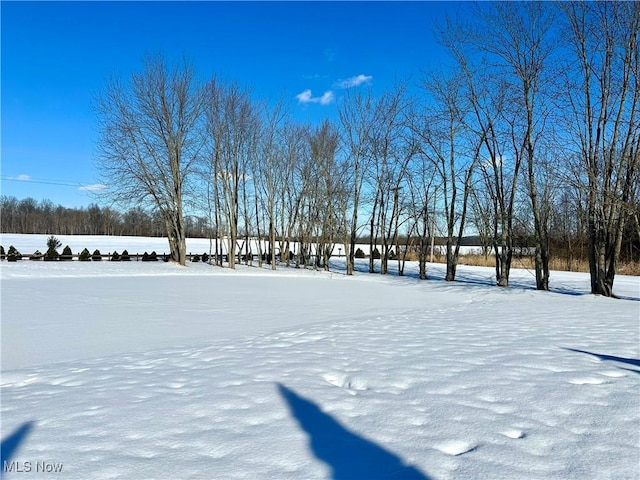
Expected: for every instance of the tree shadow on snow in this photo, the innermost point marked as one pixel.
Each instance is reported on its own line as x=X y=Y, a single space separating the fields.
x=11 y=444
x=625 y=297
x=350 y=456
x=472 y=278
x=490 y=281
x=629 y=361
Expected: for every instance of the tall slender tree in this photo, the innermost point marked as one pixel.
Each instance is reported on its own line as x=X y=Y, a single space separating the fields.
x=443 y=134
x=356 y=121
x=232 y=126
x=149 y=141
x=603 y=101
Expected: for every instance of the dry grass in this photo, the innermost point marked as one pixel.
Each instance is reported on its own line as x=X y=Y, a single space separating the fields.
x=527 y=262
x=413 y=257
x=556 y=263
x=630 y=268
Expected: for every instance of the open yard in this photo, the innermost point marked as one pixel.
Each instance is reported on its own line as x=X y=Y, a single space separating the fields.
x=154 y=371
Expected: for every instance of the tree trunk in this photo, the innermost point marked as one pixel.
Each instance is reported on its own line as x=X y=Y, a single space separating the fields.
x=177 y=241
x=451 y=261
x=372 y=243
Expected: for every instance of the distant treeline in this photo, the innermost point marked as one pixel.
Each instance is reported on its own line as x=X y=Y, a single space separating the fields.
x=32 y=216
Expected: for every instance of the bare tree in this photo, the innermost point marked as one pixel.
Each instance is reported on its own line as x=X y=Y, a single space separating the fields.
x=295 y=152
x=392 y=149
x=488 y=96
x=603 y=93
x=481 y=220
x=356 y=121
x=232 y=126
x=307 y=201
x=323 y=143
x=270 y=178
x=518 y=37
x=148 y=142
x=445 y=140
x=422 y=190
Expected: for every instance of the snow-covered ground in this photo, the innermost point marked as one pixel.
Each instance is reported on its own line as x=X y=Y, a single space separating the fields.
x=154 y=371
x=28 y=244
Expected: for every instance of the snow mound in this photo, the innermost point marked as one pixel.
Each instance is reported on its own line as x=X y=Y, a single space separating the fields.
x=456 y=447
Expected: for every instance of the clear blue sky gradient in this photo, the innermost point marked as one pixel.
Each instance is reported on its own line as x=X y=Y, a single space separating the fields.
x=58 y=56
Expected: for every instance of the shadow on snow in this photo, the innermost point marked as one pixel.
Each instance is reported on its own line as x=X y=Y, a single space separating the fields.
x=349 y=455
x=471 y=278
x=625 y=297
x=11 y=444
x=629 y=361
x=474 y=279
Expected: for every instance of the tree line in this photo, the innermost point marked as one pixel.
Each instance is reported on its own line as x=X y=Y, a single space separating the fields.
x=532 y=128
x=32 y=216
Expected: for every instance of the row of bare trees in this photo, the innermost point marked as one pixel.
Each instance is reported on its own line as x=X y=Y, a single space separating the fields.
x=537 y=108
x=552 y=92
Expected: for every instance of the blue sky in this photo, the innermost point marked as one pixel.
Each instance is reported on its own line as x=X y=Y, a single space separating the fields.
x=57 y=56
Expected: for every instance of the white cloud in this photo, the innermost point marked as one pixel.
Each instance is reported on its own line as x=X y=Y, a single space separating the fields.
x=304 y=97
x=354 y=81
x=326 y=98
x=23 y=177
x=307 y=97
x=97 y=187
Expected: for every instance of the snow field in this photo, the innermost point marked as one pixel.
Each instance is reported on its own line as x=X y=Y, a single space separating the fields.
x=318 y=375
x=28 y=244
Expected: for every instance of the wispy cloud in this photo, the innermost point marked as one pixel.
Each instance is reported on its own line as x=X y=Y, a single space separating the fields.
x=354 y=81
x=97 y=187
x=329 y=55
x=314 y=76
x=326 y=98
x=307 y=97
x=23 y=177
